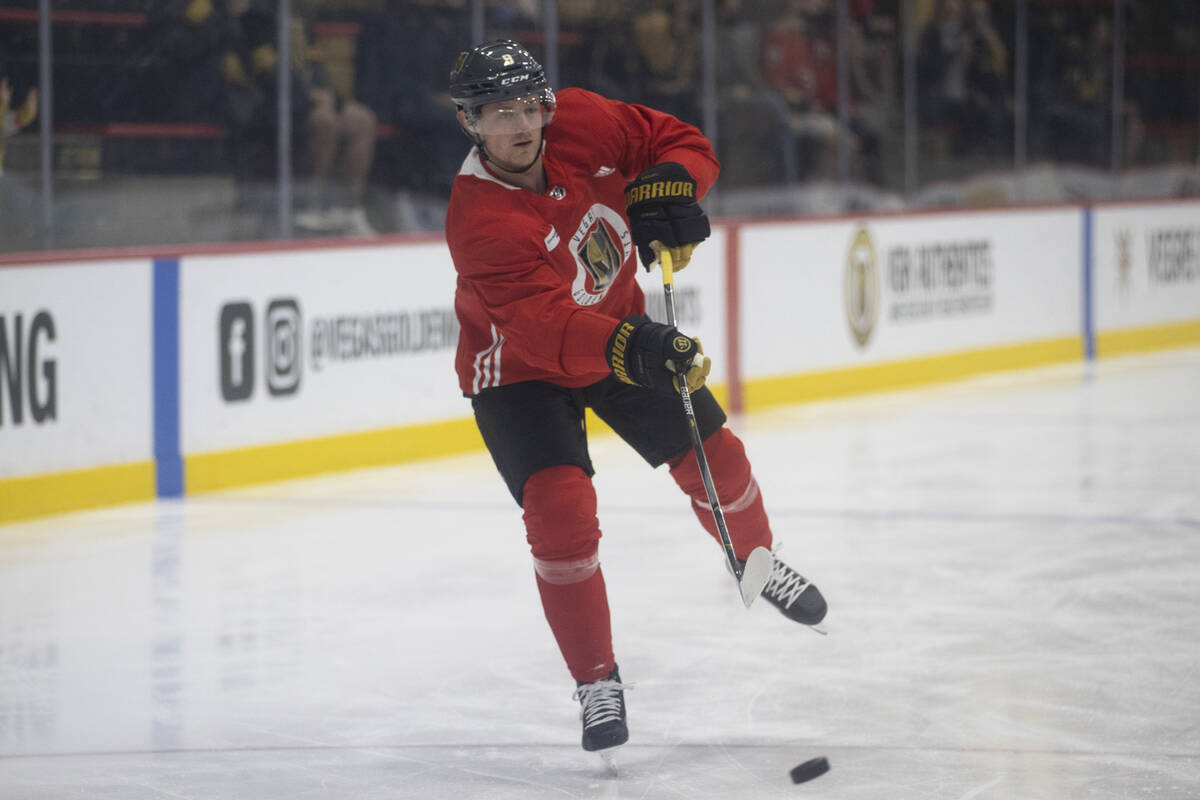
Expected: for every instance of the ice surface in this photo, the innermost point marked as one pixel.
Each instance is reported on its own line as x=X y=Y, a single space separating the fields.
x=1011 y=565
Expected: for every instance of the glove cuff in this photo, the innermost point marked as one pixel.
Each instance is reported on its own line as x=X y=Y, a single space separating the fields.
x=622 y=359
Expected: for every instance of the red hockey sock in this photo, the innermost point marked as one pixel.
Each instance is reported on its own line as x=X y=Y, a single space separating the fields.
x=578 y=616
x=736 y=489
x=564 y=535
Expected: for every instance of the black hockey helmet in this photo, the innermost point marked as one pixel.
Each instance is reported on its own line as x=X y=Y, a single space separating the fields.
x=495 y=71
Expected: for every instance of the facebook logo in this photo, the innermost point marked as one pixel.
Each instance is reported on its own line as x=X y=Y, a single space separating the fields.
x=236 y=348
x=283 y=360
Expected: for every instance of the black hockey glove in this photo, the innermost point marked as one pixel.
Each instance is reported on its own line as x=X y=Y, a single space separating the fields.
x=662 y=207
x=650 y=354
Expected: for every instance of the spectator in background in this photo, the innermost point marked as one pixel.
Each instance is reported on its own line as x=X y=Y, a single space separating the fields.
x=788 y=66
x=875 y=70
x=799 y=59
x=337 y=126
x=878 y=22
x=961 y=73
x=19 y=227
x=864 y=130
x=248 y=63
x=325 y=125
x=14 y=119
x=667 y=43
x=402 y=72
x=756 y=145
x=649 y=53
x=175 y=75
x=615 y=68
x=1072 y=88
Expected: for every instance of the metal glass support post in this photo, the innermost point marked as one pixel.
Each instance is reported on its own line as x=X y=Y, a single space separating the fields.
x=477 y=22
x=1021 y=97
x=283 y=139
x=46 y=124
x=550 y=30
x=1118 y=86
x=843 y=92
x=708 y=69
x=909 y=35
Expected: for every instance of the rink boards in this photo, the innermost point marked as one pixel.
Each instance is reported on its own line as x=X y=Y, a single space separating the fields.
x=156 y=374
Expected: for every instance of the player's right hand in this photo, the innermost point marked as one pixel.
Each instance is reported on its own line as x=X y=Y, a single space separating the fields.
x=646 y=353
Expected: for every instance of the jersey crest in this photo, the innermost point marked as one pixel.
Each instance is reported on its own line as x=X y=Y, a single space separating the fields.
x=601 y=244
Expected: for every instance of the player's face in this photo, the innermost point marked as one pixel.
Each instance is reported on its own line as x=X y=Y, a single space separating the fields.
x=512 y=130
x=519 y=115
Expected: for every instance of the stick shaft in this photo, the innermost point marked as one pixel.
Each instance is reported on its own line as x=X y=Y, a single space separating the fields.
x=693 y=428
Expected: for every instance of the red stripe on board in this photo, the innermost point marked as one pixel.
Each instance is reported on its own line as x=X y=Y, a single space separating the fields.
x=146 y=130
x=733 y=318
x=337 y=28
x=31 y=259
x=116 y=18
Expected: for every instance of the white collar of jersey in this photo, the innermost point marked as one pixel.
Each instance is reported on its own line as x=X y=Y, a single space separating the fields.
x=473 y=165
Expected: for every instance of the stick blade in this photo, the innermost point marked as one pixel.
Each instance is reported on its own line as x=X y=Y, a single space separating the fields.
x=755 y=574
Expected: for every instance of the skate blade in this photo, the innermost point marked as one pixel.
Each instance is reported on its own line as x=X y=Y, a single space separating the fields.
x=609 y=757
x=818 y=628
x=755 y=574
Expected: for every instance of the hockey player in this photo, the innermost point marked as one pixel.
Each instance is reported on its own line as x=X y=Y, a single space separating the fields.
x=544 y=218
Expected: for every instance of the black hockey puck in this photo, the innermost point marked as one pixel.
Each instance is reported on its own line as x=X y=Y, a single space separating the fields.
x=813 y=768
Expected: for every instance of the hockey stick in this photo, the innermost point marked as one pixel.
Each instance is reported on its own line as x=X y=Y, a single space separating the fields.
x=752 y=577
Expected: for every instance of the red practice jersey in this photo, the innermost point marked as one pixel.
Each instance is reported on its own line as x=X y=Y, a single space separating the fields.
x=543 y=280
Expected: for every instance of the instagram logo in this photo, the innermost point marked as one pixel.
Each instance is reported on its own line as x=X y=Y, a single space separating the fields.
x=282 y=333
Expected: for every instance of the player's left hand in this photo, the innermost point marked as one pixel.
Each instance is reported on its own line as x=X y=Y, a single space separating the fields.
x=662 y=207
x=650 y=354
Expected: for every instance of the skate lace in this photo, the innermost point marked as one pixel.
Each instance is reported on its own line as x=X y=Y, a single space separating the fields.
x=601 y=701
x=785 y=585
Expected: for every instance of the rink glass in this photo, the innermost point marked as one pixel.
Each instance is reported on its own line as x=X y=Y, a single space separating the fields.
x=146 y=134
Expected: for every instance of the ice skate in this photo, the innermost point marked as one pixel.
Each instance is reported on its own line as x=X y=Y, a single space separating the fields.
x=794 y=595
x=602 y=709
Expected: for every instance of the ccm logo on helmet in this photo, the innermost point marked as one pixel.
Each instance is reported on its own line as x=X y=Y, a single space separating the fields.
x=649 y=191
x=514 y=79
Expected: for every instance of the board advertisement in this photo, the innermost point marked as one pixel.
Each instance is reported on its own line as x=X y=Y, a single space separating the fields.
x=75 y=366
x=825 y=295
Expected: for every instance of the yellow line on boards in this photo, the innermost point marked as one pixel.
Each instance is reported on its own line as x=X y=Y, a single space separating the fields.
x=1154 y=337
x=74 y=490
x=813 y=386
x=204 y=472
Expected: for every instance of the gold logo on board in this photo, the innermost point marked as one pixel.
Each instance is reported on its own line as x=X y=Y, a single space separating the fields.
x=860 y=287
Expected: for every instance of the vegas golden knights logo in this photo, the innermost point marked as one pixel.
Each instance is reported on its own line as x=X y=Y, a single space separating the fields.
x=860 y=287
x=600 y=246
x=600 y=256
